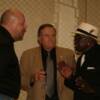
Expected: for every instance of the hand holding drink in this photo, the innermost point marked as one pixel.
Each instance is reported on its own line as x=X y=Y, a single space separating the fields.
x=64 y=69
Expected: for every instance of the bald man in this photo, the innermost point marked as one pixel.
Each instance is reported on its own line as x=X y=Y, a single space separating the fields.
x=12 y=28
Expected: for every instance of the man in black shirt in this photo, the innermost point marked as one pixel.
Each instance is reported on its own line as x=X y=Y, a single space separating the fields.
x=12 y=28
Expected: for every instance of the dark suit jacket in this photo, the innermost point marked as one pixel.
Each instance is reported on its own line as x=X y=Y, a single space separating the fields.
x=90 y=72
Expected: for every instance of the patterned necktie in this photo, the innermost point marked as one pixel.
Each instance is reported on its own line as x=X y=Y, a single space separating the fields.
x=50 y=76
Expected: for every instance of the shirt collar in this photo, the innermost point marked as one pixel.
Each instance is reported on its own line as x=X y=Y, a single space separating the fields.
x=45 y=53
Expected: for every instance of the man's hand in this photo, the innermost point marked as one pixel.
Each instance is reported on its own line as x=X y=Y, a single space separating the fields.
x=64 y=69
x=83 y=85
x=40 y=75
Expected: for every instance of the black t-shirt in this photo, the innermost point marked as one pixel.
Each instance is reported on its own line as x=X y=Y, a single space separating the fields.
x=9 y=66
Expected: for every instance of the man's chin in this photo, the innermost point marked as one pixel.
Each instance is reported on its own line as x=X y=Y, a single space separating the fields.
x=19 y=39
x=50 y=47
x=78 y=51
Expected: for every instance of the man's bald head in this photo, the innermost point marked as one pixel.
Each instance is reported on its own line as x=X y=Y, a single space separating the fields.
x=10 y=15
x=14 y=21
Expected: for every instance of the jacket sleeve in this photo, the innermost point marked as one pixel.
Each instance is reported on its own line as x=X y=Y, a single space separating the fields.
x=25 y=73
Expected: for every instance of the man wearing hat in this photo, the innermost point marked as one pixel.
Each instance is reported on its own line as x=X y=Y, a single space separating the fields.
x=86 y=81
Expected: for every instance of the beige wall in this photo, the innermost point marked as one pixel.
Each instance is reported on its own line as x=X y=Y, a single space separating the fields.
x=67 y=15
x=89 y=12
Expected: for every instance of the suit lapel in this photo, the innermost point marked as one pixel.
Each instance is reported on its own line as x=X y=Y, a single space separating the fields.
x=60 y=79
